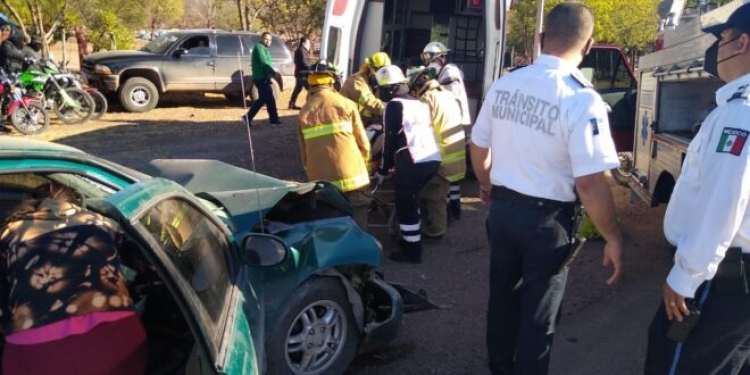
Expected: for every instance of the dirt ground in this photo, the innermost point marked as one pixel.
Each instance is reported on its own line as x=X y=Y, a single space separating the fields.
x=454 y=272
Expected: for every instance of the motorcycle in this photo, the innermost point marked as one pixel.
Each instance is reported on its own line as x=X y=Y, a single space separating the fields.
x=26 y=114
x=61 y=92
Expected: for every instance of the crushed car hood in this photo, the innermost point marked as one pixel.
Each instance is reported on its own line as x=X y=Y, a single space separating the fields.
x=246 y=195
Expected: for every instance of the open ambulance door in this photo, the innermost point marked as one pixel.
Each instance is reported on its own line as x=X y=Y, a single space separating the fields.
x=495 y=22
x=340 y=27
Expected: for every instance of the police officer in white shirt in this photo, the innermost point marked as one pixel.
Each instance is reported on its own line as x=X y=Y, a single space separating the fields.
x=709 y=222
x=541 y=137
x=409 y=146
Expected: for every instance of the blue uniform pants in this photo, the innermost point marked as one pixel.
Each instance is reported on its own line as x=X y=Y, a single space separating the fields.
x=720 y=341
x=529 y=242
x=265 y=97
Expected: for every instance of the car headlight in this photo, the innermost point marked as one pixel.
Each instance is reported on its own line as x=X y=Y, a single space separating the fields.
x=102 y=69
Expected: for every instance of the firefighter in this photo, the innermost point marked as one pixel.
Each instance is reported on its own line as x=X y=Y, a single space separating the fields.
x=450 y=76
x=410 y=149
x=445 y=111
x=333 y=144
x=360 y=88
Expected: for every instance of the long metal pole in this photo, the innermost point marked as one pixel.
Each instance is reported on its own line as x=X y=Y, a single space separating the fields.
x=539 y=22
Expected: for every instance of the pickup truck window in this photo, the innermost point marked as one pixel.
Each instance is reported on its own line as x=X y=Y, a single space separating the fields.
x=228 y=45
x=160 y=44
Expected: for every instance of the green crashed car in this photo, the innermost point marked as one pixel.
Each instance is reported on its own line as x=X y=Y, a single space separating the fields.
x=250 y=274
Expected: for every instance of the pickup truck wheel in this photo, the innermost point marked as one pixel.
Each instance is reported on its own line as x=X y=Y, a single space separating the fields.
x=276 y=90
x=623 y=173
x=138 y=95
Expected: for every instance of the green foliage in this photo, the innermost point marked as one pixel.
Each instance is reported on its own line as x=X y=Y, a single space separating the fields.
x=110 y=26
x=629 y=24
x=292 y=20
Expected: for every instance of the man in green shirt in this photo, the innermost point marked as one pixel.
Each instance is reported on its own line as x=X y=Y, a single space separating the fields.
x=262 y=74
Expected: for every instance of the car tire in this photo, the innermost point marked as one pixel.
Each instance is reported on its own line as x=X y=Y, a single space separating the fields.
x=276 y=91
x=317 y=328
x=31 y=119
x=138 y=95
x=100 y=104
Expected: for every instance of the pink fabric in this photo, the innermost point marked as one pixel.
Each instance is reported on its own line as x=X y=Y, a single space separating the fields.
x=110 y=348
x=75 y=325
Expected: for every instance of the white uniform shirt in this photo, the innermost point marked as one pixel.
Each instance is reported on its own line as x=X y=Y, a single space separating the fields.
x=417 y=128
x=544 y=127
x=451 y=73
x=707 y=212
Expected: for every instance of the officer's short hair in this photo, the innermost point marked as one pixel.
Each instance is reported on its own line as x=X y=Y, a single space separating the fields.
x=568 y=24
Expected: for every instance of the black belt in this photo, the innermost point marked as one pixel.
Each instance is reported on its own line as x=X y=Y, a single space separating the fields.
x=732 y=274
x=501 y=192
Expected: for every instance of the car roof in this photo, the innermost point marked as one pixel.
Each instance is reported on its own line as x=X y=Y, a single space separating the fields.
x=16 y=144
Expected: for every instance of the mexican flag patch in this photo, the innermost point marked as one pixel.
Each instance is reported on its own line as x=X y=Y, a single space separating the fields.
x=732 y=141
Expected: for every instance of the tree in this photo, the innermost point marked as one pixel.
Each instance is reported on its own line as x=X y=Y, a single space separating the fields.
x=164 y=13
x=45 y=16
x=631 y=24
x=107 y=20
x=292 y=20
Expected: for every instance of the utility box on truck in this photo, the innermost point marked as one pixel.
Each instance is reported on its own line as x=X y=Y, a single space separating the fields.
x=674 y=97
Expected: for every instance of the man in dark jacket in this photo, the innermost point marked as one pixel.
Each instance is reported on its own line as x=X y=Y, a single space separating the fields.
x=11 y=58
x=263 y=73
x=301 y=67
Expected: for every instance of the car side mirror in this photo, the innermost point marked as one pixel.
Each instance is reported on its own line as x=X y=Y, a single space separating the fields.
x=179 y=52
x=262 y=250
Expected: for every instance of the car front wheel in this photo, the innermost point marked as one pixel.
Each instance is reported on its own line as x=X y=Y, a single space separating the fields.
x=316 y=334
x=138 y=95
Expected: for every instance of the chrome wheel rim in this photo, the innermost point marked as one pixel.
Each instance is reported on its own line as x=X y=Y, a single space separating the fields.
x=316 y=338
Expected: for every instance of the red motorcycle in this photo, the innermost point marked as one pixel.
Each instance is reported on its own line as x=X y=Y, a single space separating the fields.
x=26 y=114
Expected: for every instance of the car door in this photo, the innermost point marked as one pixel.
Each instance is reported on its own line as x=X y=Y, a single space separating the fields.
x=190 y=64
x=232 y=62
x=196 y=258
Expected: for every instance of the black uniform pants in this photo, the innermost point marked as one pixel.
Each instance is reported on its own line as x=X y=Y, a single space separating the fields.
x=265 y=96
x=301 y=82
x=410 y=178
x=720 y=341
x=530 y=239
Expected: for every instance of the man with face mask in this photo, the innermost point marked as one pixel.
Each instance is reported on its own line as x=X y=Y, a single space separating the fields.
x=550 y=143
x=450 y=76
x=409 y=149
x=709 y=222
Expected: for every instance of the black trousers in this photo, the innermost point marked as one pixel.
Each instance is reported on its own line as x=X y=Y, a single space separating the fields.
x=265 y=97
x=300 y=83
x=410 y=178
x=720 y=341
x=530 y=239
